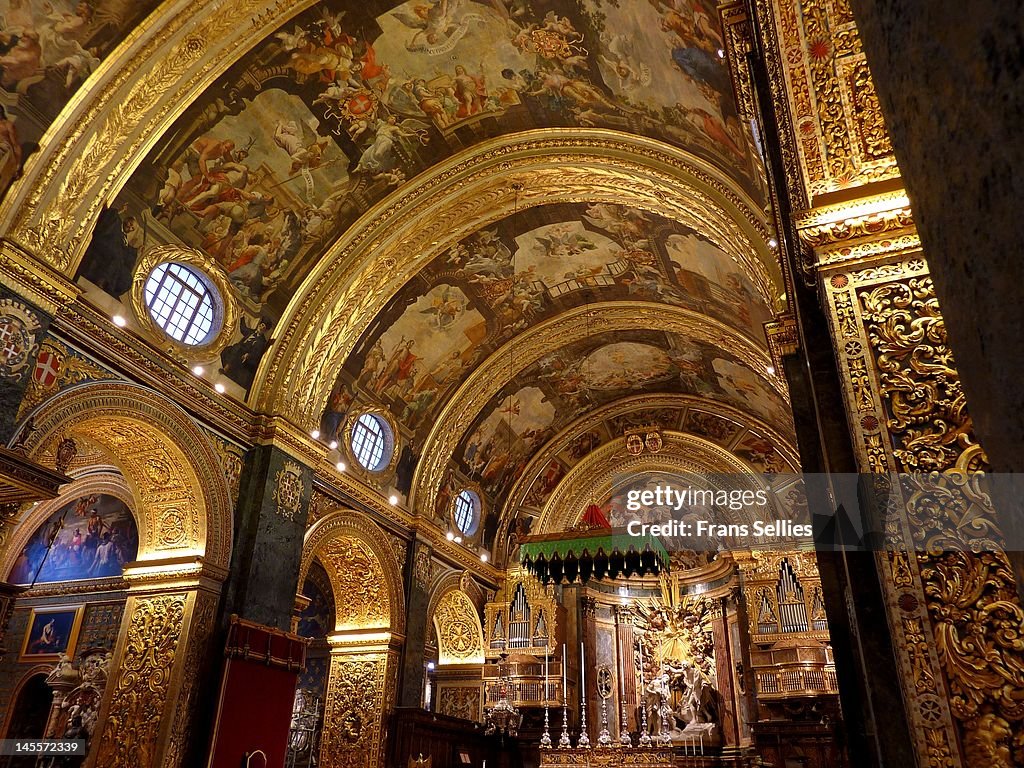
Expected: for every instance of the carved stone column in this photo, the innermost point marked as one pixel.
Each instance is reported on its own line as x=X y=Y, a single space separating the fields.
x=417 y=573
x=145 y=720
x=360 y=695
x=273 y=505
x=627 y=669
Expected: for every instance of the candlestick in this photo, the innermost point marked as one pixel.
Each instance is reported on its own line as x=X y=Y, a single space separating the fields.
x=624 y=738
x=645 y=737
x=563 y=741
x=545 y=740
x=584 y=740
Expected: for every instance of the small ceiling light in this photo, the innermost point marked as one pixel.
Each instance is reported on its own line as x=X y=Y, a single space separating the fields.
x=392 y=500
x=198 y=370
x=721 y=53
x=315 y=434
x=450 y=536
x=430 y=666
x=219 y=387
x=773 y=243
x=333 y=444
x=119 y=321
x=458 y=539
x=483 y=557
x=340 y=466
x=771 y=370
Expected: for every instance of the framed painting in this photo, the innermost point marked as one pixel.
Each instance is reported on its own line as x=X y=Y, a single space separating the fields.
x=52 y=632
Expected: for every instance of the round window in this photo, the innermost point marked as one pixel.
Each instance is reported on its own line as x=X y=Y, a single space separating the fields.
x=467 y=512
x=372 y=442
x=182 y=302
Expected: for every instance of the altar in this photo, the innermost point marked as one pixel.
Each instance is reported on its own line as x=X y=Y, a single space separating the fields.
x=634 y=757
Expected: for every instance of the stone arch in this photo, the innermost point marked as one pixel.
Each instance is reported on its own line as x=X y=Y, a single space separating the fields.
x=183 y=512
x=516 y=355
x=344 y=541
x=368 y=634
x=401 y=234
x=599 y=472
x=182 y=502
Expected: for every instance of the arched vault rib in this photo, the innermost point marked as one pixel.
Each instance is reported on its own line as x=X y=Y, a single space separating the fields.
x=106 y=130
x=558 y=443
x=402 y=234
x=597 y=476
x=523 y=351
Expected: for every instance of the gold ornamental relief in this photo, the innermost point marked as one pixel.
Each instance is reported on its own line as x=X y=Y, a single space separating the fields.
x=355 y=572
x=142 y=690
x=460 y=637
x=474 y=190
x=102 y=135
x=355 y=705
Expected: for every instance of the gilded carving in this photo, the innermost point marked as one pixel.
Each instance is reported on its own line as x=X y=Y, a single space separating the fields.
x=460 y=637
x=149 y=438
x=359 y=694
x=372 y=571
x=462 y=407
x=356 y=573
x=142 y=687
x=123 y=110
x=197 y=668
x=927 y=408
x=19 y=328
x=461 y=701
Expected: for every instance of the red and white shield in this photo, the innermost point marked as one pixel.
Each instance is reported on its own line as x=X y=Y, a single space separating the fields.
x=47 y=368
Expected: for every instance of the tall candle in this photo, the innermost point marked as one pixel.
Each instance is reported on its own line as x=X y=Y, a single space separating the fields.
x=583 y=672
x=564 y=688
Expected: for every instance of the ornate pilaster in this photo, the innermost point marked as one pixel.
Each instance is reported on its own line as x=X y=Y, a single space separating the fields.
x=627 y=668
x=360 y=694
x=908 y=413
x=273 y=506
x=145 y=719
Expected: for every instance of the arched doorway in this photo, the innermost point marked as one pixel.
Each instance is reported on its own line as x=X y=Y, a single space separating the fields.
x=369 y=630
x=27 y=719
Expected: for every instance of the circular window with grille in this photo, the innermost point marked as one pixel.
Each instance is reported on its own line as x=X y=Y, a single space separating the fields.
x=372 y=442
x=183 y=303
x=467 y=512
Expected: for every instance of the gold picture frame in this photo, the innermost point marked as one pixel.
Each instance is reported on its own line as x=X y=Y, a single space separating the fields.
x=52 y=632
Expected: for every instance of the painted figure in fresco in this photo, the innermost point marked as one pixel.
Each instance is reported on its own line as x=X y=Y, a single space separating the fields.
x=439 y=24
x=630 y=72
x=388 y=134
x=469 y=92
x=11 y=154
x=240 y=360
x=113 y=251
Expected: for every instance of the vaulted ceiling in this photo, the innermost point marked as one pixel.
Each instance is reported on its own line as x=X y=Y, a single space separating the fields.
x=492 y=219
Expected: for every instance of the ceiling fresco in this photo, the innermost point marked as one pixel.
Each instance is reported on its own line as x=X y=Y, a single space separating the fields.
x=580 y=377
x=345 y=104
x=47 y=50
x=500 y=281
x=527 y=498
